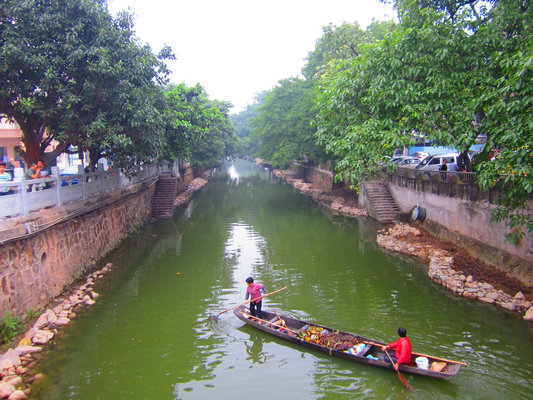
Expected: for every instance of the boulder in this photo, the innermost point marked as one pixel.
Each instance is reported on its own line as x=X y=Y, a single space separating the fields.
x=9 y=359
x=41 y=321
x=52 y=317
x=487 y=300
x=23 y=350
x=529 y=315
x=62 y=321
x=6 y=389
x=17 y=395
x=42 y=337
x=520 y=296
x=13 y=380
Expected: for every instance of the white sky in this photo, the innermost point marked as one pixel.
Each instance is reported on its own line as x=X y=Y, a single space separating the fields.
x=238 y=48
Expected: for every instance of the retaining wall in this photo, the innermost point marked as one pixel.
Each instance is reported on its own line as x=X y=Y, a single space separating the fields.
x=462 y=213
x=37 y=267
x=320 y=178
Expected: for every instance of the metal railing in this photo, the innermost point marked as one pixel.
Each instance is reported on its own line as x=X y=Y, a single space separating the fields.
x=445 y=176
x=25 y=196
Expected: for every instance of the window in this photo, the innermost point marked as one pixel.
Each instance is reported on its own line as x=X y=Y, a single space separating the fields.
x=435 y=161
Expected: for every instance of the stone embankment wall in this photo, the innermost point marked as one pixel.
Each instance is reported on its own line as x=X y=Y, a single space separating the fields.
x=461 y=213
x=187 y=175
x=320 y=178
x=37 y=267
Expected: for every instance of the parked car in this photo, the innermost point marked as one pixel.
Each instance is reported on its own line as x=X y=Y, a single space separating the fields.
x=433 y=163
x=399 y=159
x=410 y=162
x=420 y=155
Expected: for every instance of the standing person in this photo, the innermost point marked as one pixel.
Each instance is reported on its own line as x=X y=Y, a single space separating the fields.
x=403 y=350
x=4 y=177
x=254 y=292
x=444 y=169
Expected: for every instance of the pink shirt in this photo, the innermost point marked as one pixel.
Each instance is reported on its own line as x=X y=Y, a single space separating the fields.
x=254 y=291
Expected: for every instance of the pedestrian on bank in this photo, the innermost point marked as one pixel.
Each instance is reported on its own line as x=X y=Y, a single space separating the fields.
x=4 y=177
x=253 y=291
x=403 y=350
x=444 y=169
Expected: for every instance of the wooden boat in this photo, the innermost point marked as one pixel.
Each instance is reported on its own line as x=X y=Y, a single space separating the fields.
x=342 y=344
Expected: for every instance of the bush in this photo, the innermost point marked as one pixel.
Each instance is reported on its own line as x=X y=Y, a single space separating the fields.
x=10 y=327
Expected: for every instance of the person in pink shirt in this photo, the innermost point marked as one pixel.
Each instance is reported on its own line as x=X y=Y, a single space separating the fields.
x=403 y=349
x=253 y=291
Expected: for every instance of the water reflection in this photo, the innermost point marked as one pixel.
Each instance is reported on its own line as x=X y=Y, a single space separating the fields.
x=233 y=175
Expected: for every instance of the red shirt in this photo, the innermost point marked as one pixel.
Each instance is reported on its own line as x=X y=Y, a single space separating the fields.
x=403 y=350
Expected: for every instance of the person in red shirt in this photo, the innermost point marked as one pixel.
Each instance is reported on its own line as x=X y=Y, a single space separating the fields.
x=403 y=350
x=254 y=292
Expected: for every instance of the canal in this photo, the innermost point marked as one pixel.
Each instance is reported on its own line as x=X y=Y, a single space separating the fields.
x=149 y=335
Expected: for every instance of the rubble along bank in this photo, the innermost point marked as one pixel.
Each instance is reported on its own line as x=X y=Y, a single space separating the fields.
x=18 y=365
x=441 y=262
x=336 y=201
x=442 y=270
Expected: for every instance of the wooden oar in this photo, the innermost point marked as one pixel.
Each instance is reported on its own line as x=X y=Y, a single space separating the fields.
x=396 y=367
x=419 y=354
x=246 y=302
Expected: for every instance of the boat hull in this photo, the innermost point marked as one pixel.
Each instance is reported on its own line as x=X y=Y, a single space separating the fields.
x=292 y=330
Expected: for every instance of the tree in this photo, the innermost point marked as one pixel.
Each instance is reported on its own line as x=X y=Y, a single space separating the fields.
x=72 y=74
x=282 y=127
x=198 y=129
x=344 y=42
x=451 y=71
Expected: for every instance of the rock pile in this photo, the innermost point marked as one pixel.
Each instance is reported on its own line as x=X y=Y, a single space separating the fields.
x=334 y=203
x=185 y=195
x=16 y=363
x=441 y=271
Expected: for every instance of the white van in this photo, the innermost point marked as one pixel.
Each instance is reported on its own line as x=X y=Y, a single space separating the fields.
x=433 y=163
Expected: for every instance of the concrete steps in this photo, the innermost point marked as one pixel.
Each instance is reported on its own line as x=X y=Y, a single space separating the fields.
x=386 y=210
x=165 y=194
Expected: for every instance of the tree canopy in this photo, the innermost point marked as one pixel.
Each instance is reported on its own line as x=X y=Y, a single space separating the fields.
x=282 y=128
x=73 y=75
x=198 y=130
x=450 y=71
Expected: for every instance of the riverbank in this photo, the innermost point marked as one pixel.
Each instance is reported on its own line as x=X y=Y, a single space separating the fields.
x=18 y=364
x=449 y=265
x=339 y=201
x=452 y=267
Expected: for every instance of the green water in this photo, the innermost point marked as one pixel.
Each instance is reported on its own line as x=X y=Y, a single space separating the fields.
x=149 y=337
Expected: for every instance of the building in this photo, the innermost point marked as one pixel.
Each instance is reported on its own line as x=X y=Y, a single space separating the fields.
x=9 y=139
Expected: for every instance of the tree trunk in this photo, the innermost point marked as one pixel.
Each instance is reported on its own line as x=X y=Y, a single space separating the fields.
x=32 y=149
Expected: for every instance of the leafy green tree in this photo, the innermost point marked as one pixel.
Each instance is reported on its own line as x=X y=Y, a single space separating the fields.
x=282 y=129
x=452 y=70
x=343 y=42
x=198 y=129
x=72 y=74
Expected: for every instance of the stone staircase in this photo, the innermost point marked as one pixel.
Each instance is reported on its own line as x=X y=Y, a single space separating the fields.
x=382 y=205
x=165 y=194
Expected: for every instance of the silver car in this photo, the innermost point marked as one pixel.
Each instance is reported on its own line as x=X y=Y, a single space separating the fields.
x=410 y=162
